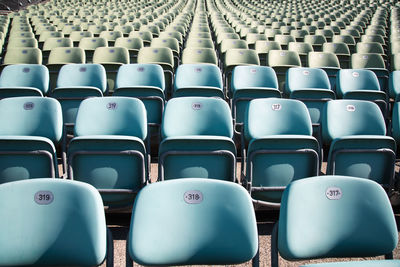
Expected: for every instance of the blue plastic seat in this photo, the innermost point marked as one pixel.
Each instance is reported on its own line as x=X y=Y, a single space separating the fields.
x=75 y=83
x=198 y=80
x=394 y=85
x=53 y=222
x=361 y=84
x=146 y=82
x=197 y=140
x=335 y=217
x=311 y=86
x=109 y=149
x=355 y=130
x=31 y=128
x=24 y=80
x=278 y=148
x=219 y=225
x=250 y=82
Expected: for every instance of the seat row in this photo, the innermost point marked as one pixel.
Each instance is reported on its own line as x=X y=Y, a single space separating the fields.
x=67 y=222
x=110 y=146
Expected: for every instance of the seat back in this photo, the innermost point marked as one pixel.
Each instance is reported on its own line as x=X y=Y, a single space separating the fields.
x=67 y=55
x=194 y=55
x=25 y=75
x=221 y=209
x=318 y=215
x=66 y=219
x=23 y=55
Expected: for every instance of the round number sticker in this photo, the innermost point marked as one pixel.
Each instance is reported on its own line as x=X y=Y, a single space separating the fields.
x=193 y=197
x=196 y=106
x=355 y=74
x=350 y=108
x=334 y=193
x=276 y=107
x=44 y=197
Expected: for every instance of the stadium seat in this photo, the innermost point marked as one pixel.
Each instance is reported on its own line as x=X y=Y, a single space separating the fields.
x=281 y=61
x=32 y=128
x=24 y=80
x=263 y=47
x=328 y=62
x=198 y=80
x=23 y=55
x=197 y=140
x=195 y=55
x=221 y=209
x=355 y=130
x=317 y=220
x=64 y=218
x=278 y=148
x=109 y=149
x=89 y=44
x=342 y=52
x=133 y=44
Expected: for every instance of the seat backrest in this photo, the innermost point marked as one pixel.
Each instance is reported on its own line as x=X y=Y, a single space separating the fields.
x=233 y=43
x=356 y=79
x=221 y=209
x=23 y=55
x=25 y=75
x=197 y=75
x=351 y=117
x=51 y=212
x=336 y=48
x=194 y=55
x=196 y=116
x=370 y=47
x=111 y=35
x=91 y=43
x=31 y=116
x=323 y=59
x=253 y=77
x=307 y=78
x=276 y=116
x=75 y=75
x=111 y=116
x=76 y=36
x=335 y=216
x=360 y=61
x=111 y=55
x=131 y=43
x=53 y=42
x=283 y=58
x=137 y=75
x=22 y=42
x=159 y=55
x=236 y=57
x=66 y=55
x=166 y=42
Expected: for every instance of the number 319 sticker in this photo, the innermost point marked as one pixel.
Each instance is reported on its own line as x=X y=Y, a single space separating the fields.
x=334 y=193
x=44 y=197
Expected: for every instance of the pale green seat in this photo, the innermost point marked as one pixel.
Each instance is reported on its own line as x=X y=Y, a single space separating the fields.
x=133 y=44
x=194 y=55
x=302 y=49
x=32 y=128
x=89 y=44
x=64 y=219
x=335 y=217
x=219 y=220
x=171 y=43
x=111 y=58
x=356 y=133
x=316 y=41
x=197 y=140
x=22 y=42
x=109 y=150
x=111 y=36
x=54 y=42
x=250 y=82
x=76 y=36
x=22 y=55
x=263 y=47
x=278 y=148
x=76 y=82
x=146 y=36
x=24 y=80
x=342 y=52
x=394 y=82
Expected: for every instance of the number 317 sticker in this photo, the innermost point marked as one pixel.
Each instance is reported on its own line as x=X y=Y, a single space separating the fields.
x=334 y=193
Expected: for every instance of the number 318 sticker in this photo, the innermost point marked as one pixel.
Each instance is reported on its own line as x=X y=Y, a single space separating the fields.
x=334 y=193
x=193 y=197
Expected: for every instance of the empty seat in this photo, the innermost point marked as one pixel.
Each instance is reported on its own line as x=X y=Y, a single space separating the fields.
x=221 y=209
x=318 y=218
x=197 y=140
x=355 y=130
x=89 y=44
x=194 y=55
x=328 y=62
x=24 y=80
x=342 y=52
x=263 y=47
x=65 y=218
x=198 y=80
x=281 y=61
x=108 y=150
x=32 y=128
x=278 y=148
x=133 y=44
x=23 y=55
